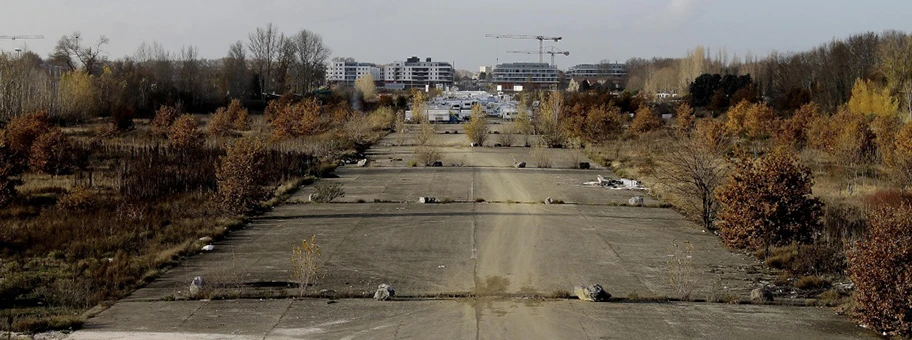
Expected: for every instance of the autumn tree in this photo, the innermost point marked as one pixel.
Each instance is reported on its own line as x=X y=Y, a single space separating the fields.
x=644 y=121
x=185 y=133
x=476 y=128
x=693 y=171
x=224 y=120
x=547 y=121
x=767 y=202
x=52 y=153
x=793 y=132
x=365 y=85
x=868 y=99
x=601 y=124
x=19 y=136
x=684 y=117
x=78 y=95
x=885 y=129
x=239 y=175
x=164 y=117
x=711 y=133
x=880 y=266
x=274 y=106
x=752 y=121
x=419 y=106
x=902 y=159
x=296 y=120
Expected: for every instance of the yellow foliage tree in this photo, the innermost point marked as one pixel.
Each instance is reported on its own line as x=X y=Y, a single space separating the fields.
x=78 y=94
x=185 y=134
x=476 y=128
x=868 y=99
x=366 y=86
x=753 y=121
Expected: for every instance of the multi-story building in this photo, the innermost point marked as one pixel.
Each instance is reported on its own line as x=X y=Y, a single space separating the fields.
x=518 y=76
x=346 y=72
x=416 y=73
x=608 y=70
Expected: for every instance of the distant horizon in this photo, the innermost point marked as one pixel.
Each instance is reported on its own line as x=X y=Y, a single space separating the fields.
x=383 y=33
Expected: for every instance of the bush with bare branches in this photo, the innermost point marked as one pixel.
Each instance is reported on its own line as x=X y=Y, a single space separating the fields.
x=693 y=171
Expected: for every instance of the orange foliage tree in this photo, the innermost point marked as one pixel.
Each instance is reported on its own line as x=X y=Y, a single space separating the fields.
x=644 y=121
x=240 y=172
x=684 y=117
x=185 y=133
x=296 y=120
x=880 y=266
x=52 y=153
x=164 y=117
x=20 y=134
x=767 y=202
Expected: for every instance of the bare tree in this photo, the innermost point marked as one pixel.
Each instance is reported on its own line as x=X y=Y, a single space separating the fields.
x=71 y=51
x=310 y=58
x=265 y=44
x=693 y=171
x=234 y=71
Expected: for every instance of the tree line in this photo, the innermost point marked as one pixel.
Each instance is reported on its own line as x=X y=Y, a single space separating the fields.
x=77 y=81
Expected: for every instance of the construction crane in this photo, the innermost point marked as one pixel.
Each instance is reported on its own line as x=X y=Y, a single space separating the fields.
x=20 y=37
x=540 y=38
x=552 y=52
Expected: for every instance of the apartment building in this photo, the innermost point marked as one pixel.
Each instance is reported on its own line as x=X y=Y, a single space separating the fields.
x=416 y=73
x=346 y=72
x=518 y=76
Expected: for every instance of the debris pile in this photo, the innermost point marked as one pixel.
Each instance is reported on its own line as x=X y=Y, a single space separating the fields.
x=384 y=293
x=617 y=184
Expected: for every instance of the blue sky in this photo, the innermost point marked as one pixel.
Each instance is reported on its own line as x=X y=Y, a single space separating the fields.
x=386 y=30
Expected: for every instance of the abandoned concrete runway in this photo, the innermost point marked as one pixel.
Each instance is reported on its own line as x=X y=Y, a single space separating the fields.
x=467 y=269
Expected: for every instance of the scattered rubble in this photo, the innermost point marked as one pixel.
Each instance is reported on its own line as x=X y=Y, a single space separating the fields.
x=208 y=247
x=593 y=293
x=617 y=184
x=426 y=200
x=384 y=293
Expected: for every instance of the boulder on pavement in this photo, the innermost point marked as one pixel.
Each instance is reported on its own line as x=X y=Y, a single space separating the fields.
x=636 y=200
x=424 y=199
x=519 y=165
x=549 y=200
x=384 y=293
x=208 y=247
x=594 y=293
x=437 y=163
x=313 y=197
x=362 y=162
x=762 y=294
x=584 y=165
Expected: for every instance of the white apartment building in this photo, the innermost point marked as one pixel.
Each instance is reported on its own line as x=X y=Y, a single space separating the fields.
x=525 y=75
x=416 y=73
x=346 y=72
x=589 y=71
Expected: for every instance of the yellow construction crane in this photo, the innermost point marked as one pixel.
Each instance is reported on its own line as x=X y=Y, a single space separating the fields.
x=540 y=38
x=552 y=52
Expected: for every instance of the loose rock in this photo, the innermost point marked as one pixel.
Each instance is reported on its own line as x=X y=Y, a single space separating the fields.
x=362 y=162
x=762 y=294
x=427 y=200
x=584 y=165
x=208 y=247
x=384 y=293
x=636 y=200
x=594 y=293
x=196 y=285
x=519 y=165
x=549 y=200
